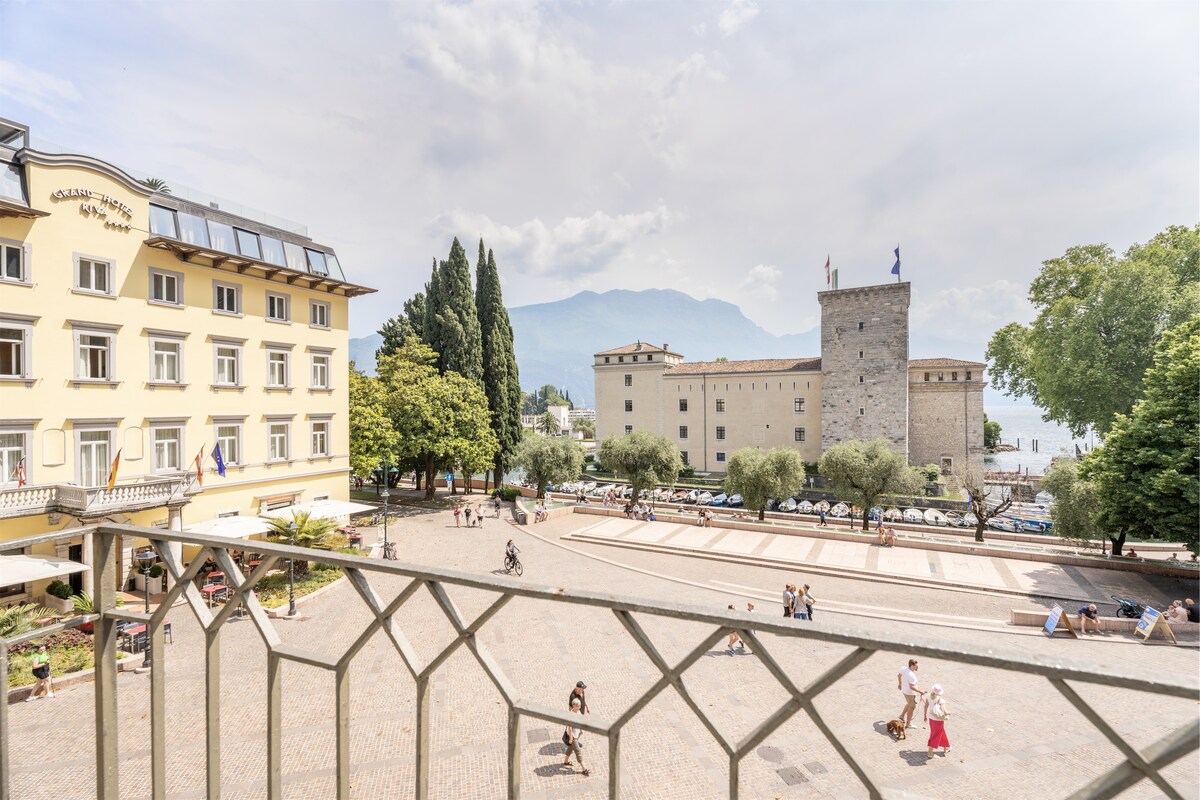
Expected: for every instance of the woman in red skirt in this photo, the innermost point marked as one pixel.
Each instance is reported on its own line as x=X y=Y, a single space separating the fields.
x=936 y=714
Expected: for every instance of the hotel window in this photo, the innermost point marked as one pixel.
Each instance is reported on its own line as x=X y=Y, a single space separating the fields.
x=720 y=457
x=683 y=431
x=629 y=429
x=720 y=405
x=320 y=371
x=320 y=438
x=247 y=243
x=93 y=353
x=941 y=376
x=221 y=238
x=620 y=359
x=14 y=350
x=335 y=269
x=166 y=287
x=168 y=446
x=278 y=434
x=720 y=432
x=12 y=450
x=606 y=359
x=229 y=439
x=968 y=374
x=229 y=365
x=294 y=256
x=12 y=261
x=628 y=379
x=927 y=377
x=277 y=369
x=227 y=298
x=683 y=404
x=162 y=222
x=272 y=251
x=192 y=229
x=649 y=358
x=798 y=434
x=629 y=405
x=797 y=405
x=93 y=275
x=93 y=458
x=316 y=262
x=318 y=314
x=166 y=361
x=953 y=376
x=277 y=307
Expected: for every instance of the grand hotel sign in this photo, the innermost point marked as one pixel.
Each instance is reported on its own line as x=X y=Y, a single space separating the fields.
x=98 y=205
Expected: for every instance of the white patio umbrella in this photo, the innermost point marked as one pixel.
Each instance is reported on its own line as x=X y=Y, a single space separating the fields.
x=15 y=570
x=230 y=527
x=321 y=509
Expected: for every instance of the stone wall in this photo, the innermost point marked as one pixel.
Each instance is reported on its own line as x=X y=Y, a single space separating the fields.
x=946 y=424
x=864 y=364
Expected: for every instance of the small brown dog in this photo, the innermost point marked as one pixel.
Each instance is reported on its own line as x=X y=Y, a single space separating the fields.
x=896 y=728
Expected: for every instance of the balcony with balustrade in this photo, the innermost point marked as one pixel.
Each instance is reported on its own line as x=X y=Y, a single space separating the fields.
x=92 y=502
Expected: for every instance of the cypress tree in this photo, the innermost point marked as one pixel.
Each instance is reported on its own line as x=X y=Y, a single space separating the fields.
x=433 y=301
x=501 y=381
x=450 y=306
x=394 y=332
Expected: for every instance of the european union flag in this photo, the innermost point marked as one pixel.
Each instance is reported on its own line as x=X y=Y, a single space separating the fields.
x=216 y=456
x=896 y=266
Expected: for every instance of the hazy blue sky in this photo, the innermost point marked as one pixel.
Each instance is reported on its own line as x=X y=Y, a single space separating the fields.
x=720 y=148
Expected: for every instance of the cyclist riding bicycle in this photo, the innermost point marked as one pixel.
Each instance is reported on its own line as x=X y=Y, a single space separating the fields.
x=510 y=551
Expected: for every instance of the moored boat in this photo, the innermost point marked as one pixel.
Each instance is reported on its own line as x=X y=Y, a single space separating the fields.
x=970 y=520
x=735 y=501
x=892 y=515
x=840 y=510
x=954 y=518
x=679 y=496
x=913 y=515
x=934 y=517
x=803 y=507
x=704 y=499
x=719 y=500
x=821 y=505
x=788 y=506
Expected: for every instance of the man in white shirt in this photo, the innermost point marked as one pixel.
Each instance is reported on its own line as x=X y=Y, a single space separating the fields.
x=906 y=682
x=571 y=737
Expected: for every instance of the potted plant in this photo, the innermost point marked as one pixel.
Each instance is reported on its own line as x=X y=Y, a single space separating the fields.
x=155 y=573
x=58 y=597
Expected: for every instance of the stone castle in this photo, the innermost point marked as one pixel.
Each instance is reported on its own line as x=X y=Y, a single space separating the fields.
x=863 y=386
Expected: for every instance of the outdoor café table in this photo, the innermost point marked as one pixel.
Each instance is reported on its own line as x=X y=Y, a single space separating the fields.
x=213 y=590
x=129 y=636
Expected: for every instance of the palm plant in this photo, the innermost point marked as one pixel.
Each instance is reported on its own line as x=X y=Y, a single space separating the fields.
x=548 y=424
x=156 y=184
x=304 y=530
x=21 y=618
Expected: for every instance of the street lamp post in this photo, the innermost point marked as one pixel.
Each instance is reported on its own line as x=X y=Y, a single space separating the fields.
x=385 y=494
x=292 y=571
x=145 y=559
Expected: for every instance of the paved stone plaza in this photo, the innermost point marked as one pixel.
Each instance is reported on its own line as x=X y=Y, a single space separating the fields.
x=1013 y=736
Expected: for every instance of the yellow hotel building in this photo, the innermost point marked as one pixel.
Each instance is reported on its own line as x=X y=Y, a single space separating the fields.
x=145 y=324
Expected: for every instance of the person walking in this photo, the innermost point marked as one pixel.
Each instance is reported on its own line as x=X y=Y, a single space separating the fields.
x=467 y=514
x=479 y=514
x=799 y=604
x=906 y=682
x=809 y=601
x=936 y=714
x=733 y=635
x=822 y=523
x=572 y=736
x=496 y=504
x=579 y=693
x=41 y=672
x=457 y=517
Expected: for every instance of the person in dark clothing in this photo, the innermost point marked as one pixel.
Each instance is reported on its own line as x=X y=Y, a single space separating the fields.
x=580 y=691
x=1193 y=610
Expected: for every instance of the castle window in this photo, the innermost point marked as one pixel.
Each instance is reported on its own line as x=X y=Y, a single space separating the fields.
x=606 y=359
x=860 y=355
x=635 y=358
x=860 y=326
x=798 y=405
x=862 y=412
x=926 y=376
x=798 y=434
x=720 y=457
x=968 y=374
x=629 y=405
x=649 y=358
x=683 y=404
x=862 y=379
x=629 y=429
x=941 y=376
x=720 y=405
x=628 y=379
x=620 y=359
x=953 y=376
x=683 y=431
x=720 y=433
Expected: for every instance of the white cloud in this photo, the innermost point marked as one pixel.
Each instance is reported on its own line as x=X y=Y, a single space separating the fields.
x=574 y=246
x=761 y=281
x=736 y=15
x=963 y=314
x=24 y=85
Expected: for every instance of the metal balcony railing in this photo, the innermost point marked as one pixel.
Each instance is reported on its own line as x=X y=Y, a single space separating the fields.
x=95 y=500
x=1146 y=763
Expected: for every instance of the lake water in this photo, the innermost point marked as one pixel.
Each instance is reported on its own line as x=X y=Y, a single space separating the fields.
x=1024 y=423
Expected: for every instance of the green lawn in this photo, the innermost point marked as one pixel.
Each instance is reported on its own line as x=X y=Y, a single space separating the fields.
x=70 y=651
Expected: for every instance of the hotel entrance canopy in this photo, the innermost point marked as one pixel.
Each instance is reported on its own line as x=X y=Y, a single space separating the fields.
x=15 y=570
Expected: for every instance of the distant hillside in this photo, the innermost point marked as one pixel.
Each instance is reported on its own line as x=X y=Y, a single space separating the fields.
x=555 y=341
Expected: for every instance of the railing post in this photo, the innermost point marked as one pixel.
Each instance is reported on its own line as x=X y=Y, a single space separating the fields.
x=735 y=762
x=4 y=763
x=212 y=711
x=104 y=600
x=342 y=702
x=158 y=715
x=274 y=726
x=514 y=754
x=422 y=743
x=614 y=765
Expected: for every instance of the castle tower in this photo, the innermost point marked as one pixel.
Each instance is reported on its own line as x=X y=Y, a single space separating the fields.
x=864 y=364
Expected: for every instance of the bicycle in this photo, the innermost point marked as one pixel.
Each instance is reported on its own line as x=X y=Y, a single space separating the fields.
x=389 y=551
x=512 y=563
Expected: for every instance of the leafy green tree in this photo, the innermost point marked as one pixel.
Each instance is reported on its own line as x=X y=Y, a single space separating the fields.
x=547 y=424
x=372 y=438
x=646 y=460
x=862 y=472
x=759 y=476
x=1083 y=358
x=537 y=401
x=1075 y=506
x=991 y=433
x=501 y=380
x=549 y=460
x=442 y=420
x=305 y=530
x=451 y=319
x=1146 y=471
x=585 y=426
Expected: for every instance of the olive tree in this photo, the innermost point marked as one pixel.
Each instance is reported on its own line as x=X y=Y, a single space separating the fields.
x=759 y=476
x=1074 y=508
x=644 y=459
x=548 y=459
x=972 y=480
x=862 y=472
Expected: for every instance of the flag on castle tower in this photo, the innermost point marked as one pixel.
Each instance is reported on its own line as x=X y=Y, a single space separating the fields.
x=896 y=266
x=828 y=277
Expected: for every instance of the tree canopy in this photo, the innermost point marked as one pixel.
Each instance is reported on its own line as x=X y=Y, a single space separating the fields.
x=537 y=401
x=1146 y=471
x=1082 y=360
x=1074 y=507
x=547 y=460
x=862 y=472
x=451 y=320
x=548 y=424
x=585 y=426
x=501 y=379
x=644 y=459
x=373 y=441
x=758 y=476
x=991 y=432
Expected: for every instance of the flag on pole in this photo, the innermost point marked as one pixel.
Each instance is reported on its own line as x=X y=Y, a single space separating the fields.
x=216 y=456
x=828 y=277
x=896 y=266
x=200 y=467
x=835 y=279
x=19 y=473
x=112 y=473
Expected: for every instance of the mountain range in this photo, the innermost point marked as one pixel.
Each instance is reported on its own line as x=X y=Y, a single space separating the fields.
x=555 y=341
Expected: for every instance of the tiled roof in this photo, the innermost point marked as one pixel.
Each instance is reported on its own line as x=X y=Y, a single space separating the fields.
x=934 y=363
x=637 y=347
x=749 y=366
